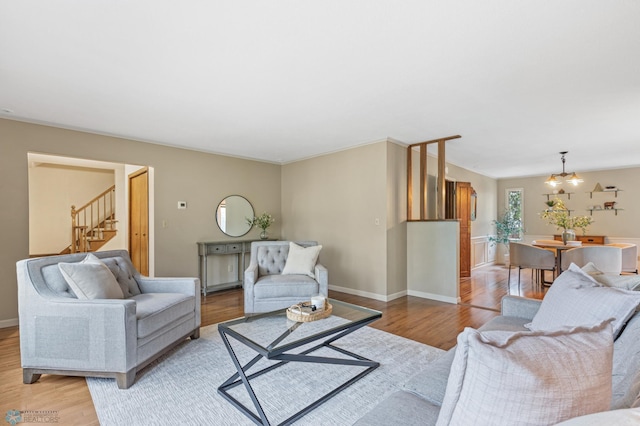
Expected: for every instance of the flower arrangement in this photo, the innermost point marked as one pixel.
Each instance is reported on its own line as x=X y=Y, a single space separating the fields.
x=558 y=215
x=263 y=221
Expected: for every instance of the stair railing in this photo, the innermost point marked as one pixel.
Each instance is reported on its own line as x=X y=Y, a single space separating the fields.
x=89 y=221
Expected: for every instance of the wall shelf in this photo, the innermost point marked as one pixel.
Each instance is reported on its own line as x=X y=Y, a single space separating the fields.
x=568 y=194
x=603 y=210
x=615 y=192
x=567 y=210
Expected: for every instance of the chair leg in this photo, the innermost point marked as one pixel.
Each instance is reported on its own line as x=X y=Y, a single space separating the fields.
x=519 y=268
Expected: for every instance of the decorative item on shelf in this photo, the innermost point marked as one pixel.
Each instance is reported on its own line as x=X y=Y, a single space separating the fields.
x=560 y=217
x=610 y=188
x=609 y=205
x=550 y=203
x=307 y=312
x=561 y=191
x=573 y=178
x=598 y=188
x=263 y=222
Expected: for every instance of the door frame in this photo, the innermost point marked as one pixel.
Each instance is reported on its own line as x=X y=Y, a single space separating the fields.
x=150 y=222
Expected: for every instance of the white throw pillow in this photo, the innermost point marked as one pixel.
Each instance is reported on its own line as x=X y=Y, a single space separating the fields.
x=629 y=282
x=301 y=260
x=91 y=279
x=533 y=378
x=575 y=298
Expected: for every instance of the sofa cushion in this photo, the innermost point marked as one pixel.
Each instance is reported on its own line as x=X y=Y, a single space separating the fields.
x=431 y=382
x=626 y=366
x=401 y=408
x=576 y=299
x=156 y=310
x=504 y=323
x=627 y=417
x=122 y=269
x=301 y=260
x=91 y=279
x=534 y=378
x=275 y=286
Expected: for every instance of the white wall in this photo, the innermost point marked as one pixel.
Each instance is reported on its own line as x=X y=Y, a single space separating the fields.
x=53 y=189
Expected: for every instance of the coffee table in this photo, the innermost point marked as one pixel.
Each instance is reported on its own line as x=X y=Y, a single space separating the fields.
x=275 y=337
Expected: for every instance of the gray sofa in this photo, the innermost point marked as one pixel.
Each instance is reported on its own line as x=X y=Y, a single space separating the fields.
x=61 y=334
x=420 y=399
x=266 y=289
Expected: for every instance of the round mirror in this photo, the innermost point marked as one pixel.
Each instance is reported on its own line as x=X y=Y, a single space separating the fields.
x=232 y=214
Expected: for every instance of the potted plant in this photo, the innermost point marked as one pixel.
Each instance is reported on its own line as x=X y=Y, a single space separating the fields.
x=561 y=218
x=508 y=227
x=263 y=222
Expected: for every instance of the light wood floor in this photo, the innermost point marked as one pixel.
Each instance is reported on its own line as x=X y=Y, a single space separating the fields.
x=433 y=323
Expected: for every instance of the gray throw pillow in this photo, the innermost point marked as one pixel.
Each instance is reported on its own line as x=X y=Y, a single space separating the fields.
x=91 y=279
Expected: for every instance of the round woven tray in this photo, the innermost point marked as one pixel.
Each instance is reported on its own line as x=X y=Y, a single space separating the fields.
x=294 y=315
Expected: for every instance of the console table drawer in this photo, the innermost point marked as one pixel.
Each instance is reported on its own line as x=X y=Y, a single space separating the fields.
x=234 y=248
x=217 y=249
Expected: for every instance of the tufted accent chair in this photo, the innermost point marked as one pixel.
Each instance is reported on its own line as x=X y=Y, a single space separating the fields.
x=266 y=289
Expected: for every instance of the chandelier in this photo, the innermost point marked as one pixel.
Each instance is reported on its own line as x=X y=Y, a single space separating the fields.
x=573 y=179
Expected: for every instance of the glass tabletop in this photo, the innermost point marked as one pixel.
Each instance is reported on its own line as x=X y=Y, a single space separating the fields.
x=273 y=333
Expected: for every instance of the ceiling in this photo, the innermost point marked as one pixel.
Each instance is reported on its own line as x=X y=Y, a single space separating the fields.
x=280 y=81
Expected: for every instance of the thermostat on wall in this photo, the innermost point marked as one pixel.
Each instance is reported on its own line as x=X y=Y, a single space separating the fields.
x=182 y=204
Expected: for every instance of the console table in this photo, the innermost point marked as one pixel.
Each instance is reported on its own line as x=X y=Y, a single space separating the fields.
x=586 y=239
x=213 y=248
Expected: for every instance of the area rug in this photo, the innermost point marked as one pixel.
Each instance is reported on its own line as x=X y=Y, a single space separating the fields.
x=181 y=387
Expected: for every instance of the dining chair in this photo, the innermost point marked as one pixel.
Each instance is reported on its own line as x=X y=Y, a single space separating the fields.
x=607 y=259
x=629 y=256
x=527 y=256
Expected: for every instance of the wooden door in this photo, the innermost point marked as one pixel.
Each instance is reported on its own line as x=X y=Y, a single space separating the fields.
x=139 y=220
x=463 y=208
x=458 y=206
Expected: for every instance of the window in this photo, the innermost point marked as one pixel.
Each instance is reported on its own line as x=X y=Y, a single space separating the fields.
x=514 y=208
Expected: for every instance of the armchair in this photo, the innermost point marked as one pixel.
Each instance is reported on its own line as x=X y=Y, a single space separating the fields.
x=266 y=289
x=62 y=334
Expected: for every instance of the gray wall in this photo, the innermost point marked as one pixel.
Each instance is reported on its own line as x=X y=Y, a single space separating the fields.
x=180 y=175
x=354 y=202
x=623 y=226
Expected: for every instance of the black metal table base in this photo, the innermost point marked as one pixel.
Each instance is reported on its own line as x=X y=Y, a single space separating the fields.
x=242 y=378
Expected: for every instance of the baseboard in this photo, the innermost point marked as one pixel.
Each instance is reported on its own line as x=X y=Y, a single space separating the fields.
x=367 y=294
x=438 y=297
x=9 y=323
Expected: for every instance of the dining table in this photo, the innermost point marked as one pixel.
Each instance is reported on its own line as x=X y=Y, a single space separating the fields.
x=559 y=247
